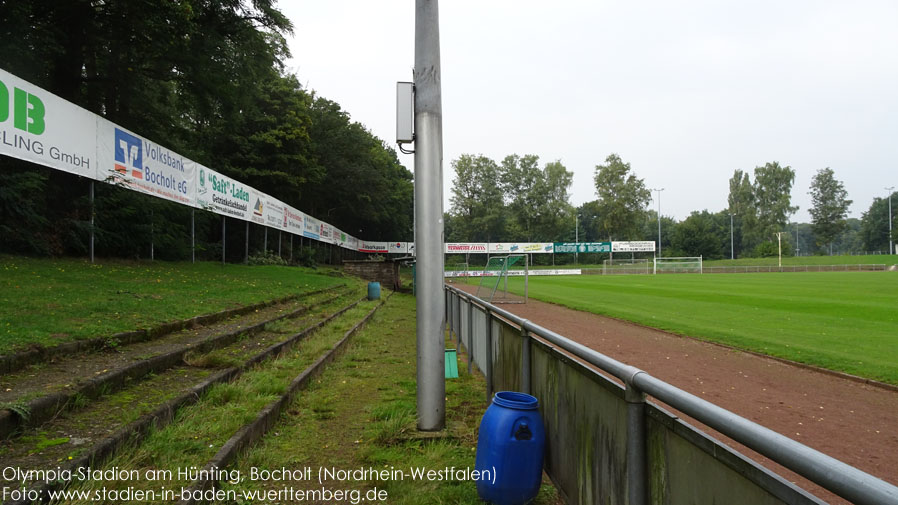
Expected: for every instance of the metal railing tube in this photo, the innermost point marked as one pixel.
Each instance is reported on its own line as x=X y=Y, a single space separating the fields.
x=840 y=478
x=489 y=356
x=470 y=333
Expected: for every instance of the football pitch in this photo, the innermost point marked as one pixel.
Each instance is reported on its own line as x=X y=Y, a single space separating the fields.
x=845 y=321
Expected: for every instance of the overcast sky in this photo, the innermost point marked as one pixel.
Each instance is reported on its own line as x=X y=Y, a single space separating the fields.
x=686 y=91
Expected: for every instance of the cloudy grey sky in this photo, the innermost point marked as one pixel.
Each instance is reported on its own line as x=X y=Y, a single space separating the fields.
x=686 y=91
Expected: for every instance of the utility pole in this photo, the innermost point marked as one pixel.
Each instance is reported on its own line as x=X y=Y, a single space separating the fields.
x=891 y=242
x=659 y=219
x=431 y=396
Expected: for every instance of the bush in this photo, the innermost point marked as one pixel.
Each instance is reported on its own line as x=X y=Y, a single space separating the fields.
x=266 y=258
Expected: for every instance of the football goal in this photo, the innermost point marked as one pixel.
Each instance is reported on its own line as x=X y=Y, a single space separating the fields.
x=626 y=266
x=681 y=265
x=493 y=285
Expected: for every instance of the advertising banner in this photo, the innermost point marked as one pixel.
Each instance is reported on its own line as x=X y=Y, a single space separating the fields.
x=582 y=247
x=326 y=233
x=521 y=247
x=131 y=161
x=352 y=243
x=40 y=127
x=311 y=227
x=398 y=247
x=293 y=219
x=273 y=212
x=374 y=247
x=465 y=248
x=222 y=195
x=643 y=246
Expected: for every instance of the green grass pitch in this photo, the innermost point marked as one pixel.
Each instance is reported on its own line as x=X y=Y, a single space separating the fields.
x=846 y=321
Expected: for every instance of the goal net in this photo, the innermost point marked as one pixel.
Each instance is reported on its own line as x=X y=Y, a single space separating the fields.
x=494 y=279
x=456 y=272
x=626 y=266
x=681 y=265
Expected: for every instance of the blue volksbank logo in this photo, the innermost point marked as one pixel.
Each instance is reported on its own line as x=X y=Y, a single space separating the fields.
x=128 y=154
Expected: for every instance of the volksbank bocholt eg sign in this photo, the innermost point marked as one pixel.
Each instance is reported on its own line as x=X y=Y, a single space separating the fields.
x=38 y=126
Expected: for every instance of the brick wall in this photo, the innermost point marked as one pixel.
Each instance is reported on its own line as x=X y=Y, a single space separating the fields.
x=384 y=272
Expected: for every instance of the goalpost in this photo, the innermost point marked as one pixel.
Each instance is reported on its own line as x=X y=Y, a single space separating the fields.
x=494 y=278
x=626 y=266
x=678 y=265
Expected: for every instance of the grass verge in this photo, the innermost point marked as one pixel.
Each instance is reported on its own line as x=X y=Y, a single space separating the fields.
x=51 y=301
x=842 y=321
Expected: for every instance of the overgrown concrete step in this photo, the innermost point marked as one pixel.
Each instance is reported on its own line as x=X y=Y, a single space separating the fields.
x=18 y=360
x=253 y=431
x=54 y=386
x=68 y=444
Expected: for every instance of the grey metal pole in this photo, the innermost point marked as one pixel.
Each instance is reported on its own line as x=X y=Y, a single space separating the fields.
x=577 y=238
x=193 y=235
x=279 y=243
x=731 y=237
x=470 y=334
x=92 y=211
x=246 y=246
x=636 y=459
x=431 y=395
x=265 y=242
x=152 y=235
x=525 y=360
x=891 y=242
x=489 y=356
x=659 y=219
x=223 y=240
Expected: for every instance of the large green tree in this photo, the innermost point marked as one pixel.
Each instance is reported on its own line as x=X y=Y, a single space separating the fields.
x=773 y=200
x=875 y=224
x=477 y=206
x=741 y=202
x=702 y=234
x=622 y=200
x=830 y=207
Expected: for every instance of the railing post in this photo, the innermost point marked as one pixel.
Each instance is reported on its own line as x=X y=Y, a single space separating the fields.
x=470 y=334
x=489 y=356
x=525 y=359
x=637 y=481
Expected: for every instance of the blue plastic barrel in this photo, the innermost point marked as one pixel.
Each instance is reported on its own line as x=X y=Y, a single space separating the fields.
x=373 y=290
x=511 y=443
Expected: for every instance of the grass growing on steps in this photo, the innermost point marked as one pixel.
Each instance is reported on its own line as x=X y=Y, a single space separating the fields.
x=51 y=301
x=360 y=414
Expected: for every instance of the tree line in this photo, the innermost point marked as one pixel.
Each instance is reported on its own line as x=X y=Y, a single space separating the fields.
x=517 y=200
x=207 y=80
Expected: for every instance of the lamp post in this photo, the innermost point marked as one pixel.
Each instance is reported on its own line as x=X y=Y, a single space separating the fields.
x=891 y=243
x=659 y=219
x=577 y=237
x=731 y=237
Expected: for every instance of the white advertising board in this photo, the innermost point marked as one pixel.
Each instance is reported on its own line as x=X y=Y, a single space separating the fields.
x=642 y=246
x=521 y=247
x=311 y=227
x=465 y=247
x=222 y=195
x=40 y=127
x=398 y=247
x=273 y=212
x=294 y=219
x=131 y=161
x=326 y=233
x=374 y=247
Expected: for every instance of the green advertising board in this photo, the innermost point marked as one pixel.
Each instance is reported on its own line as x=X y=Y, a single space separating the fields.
x=582 y=247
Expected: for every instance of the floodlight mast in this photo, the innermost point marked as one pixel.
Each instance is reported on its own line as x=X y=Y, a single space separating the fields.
x=891 y=242
x=431 y=395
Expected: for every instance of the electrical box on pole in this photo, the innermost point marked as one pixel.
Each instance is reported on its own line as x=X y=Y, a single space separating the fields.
x=405 y=112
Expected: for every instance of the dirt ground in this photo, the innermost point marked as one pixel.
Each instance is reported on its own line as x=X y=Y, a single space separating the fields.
x=848 y=420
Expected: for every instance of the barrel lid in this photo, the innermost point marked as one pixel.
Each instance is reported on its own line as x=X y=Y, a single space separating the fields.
x=515 y=400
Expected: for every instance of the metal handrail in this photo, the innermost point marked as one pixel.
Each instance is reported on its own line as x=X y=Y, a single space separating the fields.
x=838 y=477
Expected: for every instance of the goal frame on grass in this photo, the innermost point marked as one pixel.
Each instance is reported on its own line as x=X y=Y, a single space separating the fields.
x=494 y=278
x=678 y=265
x=626 y=266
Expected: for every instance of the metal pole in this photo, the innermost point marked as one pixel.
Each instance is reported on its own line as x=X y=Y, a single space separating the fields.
x=246 y=246
x=525 y=360
x=470 y=334
x=279 y=243
x=659 y=220
x=636 y=458
x=891 y=242
x=265 y=242
x=731 y=237
x=291 y=248
x=222 y=240
x=152 y=235
x=92 y=211
x=193 y=235
x=431 y=395
x=577 y=238
x=489 y=356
